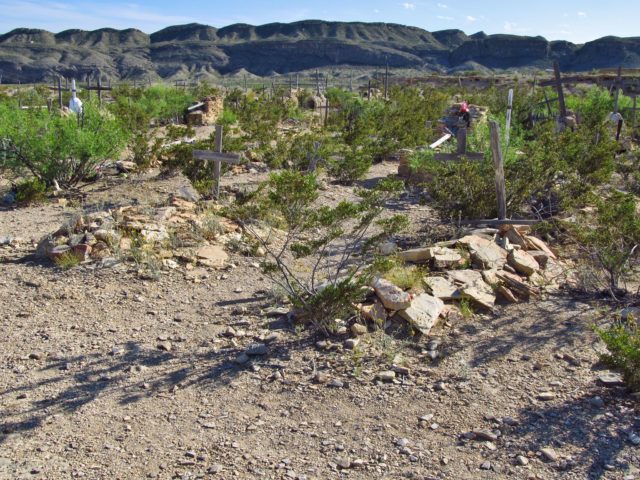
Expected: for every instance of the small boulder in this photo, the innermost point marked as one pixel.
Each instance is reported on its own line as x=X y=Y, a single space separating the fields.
x=212 y=256
x=423 y=312
x=523 y=262
x=392 y=297
x=441 y=288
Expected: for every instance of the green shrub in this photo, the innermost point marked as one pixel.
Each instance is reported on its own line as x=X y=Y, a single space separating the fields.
x=312 y=233
x=623 y=342
x=610 y=240
x=349 y=167
x=30 y=191
x=227 y=118
x=57 y=148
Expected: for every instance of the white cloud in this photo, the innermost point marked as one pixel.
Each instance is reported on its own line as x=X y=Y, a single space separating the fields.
x=471 y=19
x=442 y=17
x=582 y=14
x=443 y=6
x=513 y=27
x=409 y=6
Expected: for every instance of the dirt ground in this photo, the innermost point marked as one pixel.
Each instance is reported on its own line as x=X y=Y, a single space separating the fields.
x=104 y=375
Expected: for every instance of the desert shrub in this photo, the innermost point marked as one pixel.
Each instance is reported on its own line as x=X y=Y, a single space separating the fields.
x=145 y=148
x=352 y=165
x=310 y=233
x=610 y=240
x=57 y=148
x=309 y=147
x=227 y=118
x=29 y=191
x=622 y=339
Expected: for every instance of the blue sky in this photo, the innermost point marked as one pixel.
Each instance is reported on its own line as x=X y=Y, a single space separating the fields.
x=577 y=21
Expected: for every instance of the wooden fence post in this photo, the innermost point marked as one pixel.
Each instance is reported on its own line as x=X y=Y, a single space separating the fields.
x=498 y=164
x=60 y=92
x=217 y=164
x=507 y=132
x=563 y=106
x=461 y=138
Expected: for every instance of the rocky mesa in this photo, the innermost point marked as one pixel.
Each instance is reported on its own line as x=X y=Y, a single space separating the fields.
x=194 y=50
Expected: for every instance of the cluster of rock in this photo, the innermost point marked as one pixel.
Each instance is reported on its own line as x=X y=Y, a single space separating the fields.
x=206 y=112
x=178 y=232
x=506 y=266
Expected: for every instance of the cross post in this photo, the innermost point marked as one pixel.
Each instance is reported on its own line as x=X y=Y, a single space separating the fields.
x=217 y=157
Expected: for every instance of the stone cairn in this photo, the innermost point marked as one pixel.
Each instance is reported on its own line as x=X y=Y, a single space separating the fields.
x=485 y=268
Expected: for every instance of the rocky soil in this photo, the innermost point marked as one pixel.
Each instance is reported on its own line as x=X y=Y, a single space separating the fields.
x=105 y=374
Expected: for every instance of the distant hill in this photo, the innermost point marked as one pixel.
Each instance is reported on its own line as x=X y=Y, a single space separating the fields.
x=28 y=55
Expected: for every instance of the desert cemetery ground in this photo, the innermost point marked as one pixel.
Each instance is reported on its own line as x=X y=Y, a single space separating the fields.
x=393 y=280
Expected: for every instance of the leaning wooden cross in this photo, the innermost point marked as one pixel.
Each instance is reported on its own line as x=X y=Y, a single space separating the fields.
x=461 y=150
x=217 y=157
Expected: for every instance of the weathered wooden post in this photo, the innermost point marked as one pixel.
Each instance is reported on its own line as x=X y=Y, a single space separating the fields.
x=88 y=87
x=507 y=132
x=100 y=89
x=558 y=79
x=60 y=92
x=461 y=138
x=498 y=164
x=386 y=82
x=618 y=85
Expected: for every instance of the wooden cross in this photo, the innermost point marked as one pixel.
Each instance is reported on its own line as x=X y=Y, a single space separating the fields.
x=217 y=157
x=461 y=149
x=501 y=189
x=99 y=88
x=59 y=90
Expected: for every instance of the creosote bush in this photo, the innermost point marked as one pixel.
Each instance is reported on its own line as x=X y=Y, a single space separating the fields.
x=611 y=239
x=55 y=148
x=317 y=253
x=623 y=342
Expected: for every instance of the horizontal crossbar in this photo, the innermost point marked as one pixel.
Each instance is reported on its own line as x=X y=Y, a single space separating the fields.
x=208 y=155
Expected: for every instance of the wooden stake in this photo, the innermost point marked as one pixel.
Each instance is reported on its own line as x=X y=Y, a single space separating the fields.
x=618 y=82
x=508 y=125
x=60 y=92
x=498 y=164
x=461 y=137
x=558 y=78
x=217 y=163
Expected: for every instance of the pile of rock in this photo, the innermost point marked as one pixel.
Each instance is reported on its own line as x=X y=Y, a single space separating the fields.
x=485 y=268
x=178 y=232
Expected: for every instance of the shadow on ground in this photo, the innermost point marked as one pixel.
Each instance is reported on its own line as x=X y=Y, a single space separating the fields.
x=129 y=375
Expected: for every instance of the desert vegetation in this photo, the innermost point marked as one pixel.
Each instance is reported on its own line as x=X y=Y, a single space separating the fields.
x=333 y=234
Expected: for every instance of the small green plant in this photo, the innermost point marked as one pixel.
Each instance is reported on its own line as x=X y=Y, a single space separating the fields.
x=466 y=310
x=622 y=339
x=67 y=261
x=30 y=191
x=406 y=276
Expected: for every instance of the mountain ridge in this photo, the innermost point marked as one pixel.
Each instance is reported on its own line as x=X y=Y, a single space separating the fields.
x=192 y=50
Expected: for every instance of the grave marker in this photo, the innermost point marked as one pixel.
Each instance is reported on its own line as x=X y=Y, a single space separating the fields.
x=217 y=157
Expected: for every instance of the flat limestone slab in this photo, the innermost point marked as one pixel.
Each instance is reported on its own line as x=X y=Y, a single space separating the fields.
x=391 y=296
x=423 y=313
x=442 y=288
